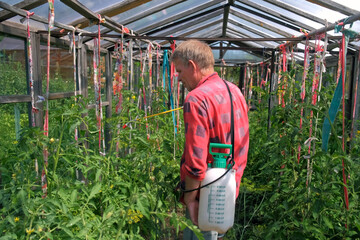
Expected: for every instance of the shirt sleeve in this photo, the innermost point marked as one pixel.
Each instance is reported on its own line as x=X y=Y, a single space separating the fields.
x=194 y=162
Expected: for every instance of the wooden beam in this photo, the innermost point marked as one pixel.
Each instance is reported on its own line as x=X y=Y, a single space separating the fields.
x=26 y=5
x=277 y=14
x=330 y=27
x=37 y=79
x=177 y=16
x=226 y=17
x=15 y=99
x=8 y=29
x=337 y=7
x=111 y=11
x=297 y=11
x=59 y=95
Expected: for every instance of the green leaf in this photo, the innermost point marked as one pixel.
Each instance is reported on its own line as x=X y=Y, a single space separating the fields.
x=97 y=176
x=142 y=205
x=9 y=236
x=68 y=231
x=49 y=235
x=73 y=196
x=22 y=195
x=274 y=197
x=95 y=190
x=327 y=222
x=73 y=221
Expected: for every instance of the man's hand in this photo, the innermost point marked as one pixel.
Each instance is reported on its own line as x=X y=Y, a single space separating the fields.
x=192 y=204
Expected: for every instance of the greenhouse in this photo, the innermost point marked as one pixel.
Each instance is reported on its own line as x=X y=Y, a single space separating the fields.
x=92 y=113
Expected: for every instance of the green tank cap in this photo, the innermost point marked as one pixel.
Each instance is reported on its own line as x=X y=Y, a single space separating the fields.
x=219 y=162
x=219 y=158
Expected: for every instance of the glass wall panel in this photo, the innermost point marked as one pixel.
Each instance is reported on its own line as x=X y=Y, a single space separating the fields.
x=61 y=70
x=12 y=66
x=14 y=118
x=90 y=77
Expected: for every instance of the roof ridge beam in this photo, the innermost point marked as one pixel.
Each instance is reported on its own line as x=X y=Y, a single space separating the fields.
x=226 y=17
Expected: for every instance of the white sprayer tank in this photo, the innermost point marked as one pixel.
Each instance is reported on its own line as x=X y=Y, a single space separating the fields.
x=217 y=201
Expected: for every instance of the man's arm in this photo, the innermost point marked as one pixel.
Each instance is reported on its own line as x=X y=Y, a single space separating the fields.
x=190 y=200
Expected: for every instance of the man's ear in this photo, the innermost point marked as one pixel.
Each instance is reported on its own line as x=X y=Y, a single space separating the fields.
x=193 y=65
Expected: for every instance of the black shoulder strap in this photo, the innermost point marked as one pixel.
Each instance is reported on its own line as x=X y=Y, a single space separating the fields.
x=232 y=161
x=231 y=124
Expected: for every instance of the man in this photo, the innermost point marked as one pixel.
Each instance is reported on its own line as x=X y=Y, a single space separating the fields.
x=207 y=118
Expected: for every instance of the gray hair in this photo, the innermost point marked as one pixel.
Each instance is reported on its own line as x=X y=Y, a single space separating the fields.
x=194 y=50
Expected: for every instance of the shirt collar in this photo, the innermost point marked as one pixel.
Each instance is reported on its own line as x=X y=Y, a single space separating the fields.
x=204 y=79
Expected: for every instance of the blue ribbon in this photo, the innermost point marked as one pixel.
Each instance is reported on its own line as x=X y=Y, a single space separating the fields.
x=336 y=101
x=166 y=67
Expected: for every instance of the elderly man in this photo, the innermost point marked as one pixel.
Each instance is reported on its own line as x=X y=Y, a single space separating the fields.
x=207 y=118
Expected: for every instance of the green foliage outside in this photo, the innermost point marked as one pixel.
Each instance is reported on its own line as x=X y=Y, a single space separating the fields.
x=12 y=75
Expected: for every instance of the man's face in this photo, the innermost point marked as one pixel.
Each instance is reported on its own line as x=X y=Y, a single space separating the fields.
x=186 y=74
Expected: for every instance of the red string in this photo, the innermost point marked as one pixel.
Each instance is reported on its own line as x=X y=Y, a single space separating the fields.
x=172 y=70
x=343 y=119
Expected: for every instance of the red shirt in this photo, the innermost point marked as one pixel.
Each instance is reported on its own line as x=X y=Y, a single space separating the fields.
x=207 y=119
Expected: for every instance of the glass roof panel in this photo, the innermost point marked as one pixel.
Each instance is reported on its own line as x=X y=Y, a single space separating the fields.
x=354 y=4
x=289 y=14
x=275 y=25
x=209 y=31
x=184 y=30
x=266 y=14
x=314 y=9
x=129 y=13
x=94 y=28
x=12 y=2
x=96 y=6
x=252 y=25
x=166 y=13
